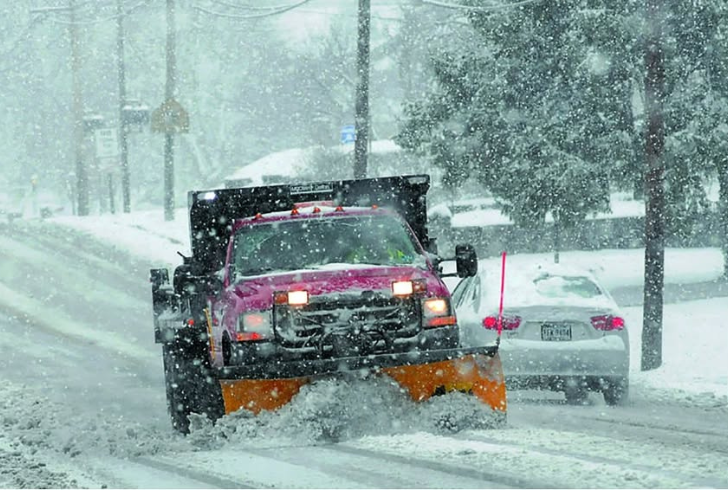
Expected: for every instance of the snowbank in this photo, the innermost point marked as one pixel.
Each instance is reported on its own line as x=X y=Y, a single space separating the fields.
x=695 y=367
x=485 y=211
x=623 y=267
x=144 y=234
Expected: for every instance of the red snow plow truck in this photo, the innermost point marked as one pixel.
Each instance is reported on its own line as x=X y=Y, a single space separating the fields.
x=290 y=283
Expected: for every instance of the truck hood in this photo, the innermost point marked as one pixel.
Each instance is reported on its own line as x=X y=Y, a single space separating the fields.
x=334 y=278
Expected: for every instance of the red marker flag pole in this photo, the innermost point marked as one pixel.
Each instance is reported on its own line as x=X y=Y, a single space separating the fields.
x=502 y=289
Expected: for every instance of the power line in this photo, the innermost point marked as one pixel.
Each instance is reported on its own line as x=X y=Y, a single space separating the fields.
x=251 y=16
x=458 y=6
x=343 y=14
x=248 y=7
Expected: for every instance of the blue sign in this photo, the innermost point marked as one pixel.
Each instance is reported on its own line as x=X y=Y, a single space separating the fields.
x=348 y=134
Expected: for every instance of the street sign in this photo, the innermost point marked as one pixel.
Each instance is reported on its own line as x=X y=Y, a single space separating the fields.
x=348 y=134
x=170 y=117
x=107 y=143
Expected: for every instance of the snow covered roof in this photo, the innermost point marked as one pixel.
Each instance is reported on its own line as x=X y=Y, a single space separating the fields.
x=282 y=166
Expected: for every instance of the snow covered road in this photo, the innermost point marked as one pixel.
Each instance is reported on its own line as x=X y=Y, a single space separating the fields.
x=82 y=404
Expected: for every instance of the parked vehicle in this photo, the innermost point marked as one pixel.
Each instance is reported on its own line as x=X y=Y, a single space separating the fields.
x=561 y=330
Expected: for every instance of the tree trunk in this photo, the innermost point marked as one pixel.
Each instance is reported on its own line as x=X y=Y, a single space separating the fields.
x=723 y=212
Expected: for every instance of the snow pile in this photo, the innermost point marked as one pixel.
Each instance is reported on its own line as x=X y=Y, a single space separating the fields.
x=338 y=409
x=32 y=423
x=19 y=471
x=144 y=234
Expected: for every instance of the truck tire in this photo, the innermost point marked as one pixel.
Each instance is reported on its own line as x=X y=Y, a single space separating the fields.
x=190 y=387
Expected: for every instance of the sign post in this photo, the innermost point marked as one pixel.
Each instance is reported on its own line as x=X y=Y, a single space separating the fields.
x=107 y=143
x=107 y=151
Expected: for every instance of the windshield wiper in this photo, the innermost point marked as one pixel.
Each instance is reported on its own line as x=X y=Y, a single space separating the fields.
x=256 y=271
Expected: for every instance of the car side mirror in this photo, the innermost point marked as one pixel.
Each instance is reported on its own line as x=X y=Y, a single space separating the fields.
x=466 y=260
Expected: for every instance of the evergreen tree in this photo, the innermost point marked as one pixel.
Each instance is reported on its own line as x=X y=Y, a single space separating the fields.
x=536 y=105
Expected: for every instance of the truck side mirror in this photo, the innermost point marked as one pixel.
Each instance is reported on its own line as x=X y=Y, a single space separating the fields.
x=466 y=260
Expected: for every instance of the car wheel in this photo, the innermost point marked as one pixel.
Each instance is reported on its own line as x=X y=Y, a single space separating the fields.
x=576 y=396
x=616 y=391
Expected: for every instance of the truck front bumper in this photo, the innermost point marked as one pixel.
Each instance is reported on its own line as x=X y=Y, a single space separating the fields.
x=276 y=369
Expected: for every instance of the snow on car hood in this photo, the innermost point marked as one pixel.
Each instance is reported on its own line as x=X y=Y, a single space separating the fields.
x=333 y=278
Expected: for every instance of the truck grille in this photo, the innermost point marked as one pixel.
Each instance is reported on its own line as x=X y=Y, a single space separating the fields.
x=341 y=327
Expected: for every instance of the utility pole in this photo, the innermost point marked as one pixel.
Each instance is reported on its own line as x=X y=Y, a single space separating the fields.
x=82 y=189
x=123 y=129
x=654 y=185
x=169 y=134
x=361 y=116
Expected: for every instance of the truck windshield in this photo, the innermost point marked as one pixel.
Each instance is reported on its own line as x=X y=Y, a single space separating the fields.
x=311 y=244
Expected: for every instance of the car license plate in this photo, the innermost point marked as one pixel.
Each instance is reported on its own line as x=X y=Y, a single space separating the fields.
x=557 y=333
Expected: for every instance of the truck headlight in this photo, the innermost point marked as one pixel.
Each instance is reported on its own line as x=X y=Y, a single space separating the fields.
x=291 y=298
x=436 y=312
x=402 y=289
x=255 y=325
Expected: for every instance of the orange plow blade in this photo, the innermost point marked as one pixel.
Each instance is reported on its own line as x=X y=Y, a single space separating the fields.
x=259 y=394
x=478 y=374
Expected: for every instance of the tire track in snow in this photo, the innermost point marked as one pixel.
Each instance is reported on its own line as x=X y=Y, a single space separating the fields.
x=55 y=321
x=191 y=474
x=119 y=267
x=37 y=270
x=625 y=464
x=646 y=427
x=367 y=468
x=506 y=463
x=74 y=297
x=499 y=478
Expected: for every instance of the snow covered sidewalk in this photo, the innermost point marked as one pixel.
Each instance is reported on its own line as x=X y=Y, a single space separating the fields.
x=695 y=364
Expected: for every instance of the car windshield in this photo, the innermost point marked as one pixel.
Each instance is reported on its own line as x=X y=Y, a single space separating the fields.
x=552 y=286
x=313 y=243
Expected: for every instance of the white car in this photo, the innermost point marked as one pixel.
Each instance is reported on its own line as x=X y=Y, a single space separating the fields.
x=560 y=331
